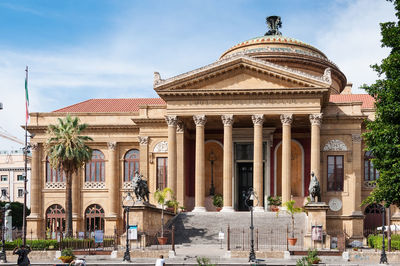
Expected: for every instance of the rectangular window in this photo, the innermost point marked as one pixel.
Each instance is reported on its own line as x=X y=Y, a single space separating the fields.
x=3 y=192
x=335 y=173
x=244 y=151
x=4 y=178
x=20 y=178
x=20 y=192
x=162 y=170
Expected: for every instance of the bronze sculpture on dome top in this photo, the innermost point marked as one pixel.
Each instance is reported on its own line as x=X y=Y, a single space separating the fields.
x=273 y=23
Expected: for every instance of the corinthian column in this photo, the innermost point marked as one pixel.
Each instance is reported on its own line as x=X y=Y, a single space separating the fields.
x=200 y=121
x=35 y=193
x=112 y=179
x=143 y=141
x=258 y=121
x=171 y=121
x=286 y=120
x=357 y=164
x=227 y=120
x=180 y=163
x=315 y=120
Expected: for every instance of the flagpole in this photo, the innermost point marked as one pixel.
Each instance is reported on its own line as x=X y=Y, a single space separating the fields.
x=26 y=165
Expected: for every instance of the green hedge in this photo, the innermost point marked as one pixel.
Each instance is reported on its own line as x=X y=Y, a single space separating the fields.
x=375 y=241
x=34 y=244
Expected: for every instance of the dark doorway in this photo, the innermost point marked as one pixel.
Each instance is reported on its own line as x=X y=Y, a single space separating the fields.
x=373 y=218
x=245 y=181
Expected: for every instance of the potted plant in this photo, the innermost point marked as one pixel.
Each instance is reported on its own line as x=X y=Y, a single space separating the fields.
x=291 y=210
x=172 y=205
x=274 y=203
x=218 y=201
x=310 y=259
x=160 y=196
x=67 y=255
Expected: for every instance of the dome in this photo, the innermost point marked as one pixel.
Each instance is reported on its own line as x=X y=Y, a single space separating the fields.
x=271 y=44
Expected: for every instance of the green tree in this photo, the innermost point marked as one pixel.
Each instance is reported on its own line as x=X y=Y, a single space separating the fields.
x=67 y=150
x=161 y=196
x=383 y=135
x=16 y=212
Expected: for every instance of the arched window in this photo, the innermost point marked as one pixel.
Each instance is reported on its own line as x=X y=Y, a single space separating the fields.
x=370 y=173
x=131 y=164
x=94 y=217
x=53 y=175
x=55 y=220
x=95 y=168
x=373 y=218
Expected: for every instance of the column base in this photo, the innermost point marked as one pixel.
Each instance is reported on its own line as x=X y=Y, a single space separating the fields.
x=228 y=209
x=258 y=209
x=199 y=209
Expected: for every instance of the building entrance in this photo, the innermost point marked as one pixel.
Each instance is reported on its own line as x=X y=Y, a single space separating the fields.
x=245 y=181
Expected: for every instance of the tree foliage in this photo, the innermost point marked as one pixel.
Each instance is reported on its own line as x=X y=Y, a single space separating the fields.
x=17 y=209
x=383 y=135
x=67 y=150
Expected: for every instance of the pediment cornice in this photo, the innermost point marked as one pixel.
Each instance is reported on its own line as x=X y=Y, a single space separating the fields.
x=241 y=61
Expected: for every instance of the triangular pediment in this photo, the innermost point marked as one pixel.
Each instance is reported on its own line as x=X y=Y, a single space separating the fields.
x=240 y=73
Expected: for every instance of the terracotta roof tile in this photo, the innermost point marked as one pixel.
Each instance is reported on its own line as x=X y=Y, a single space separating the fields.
x=367 y=100
x=110 y=105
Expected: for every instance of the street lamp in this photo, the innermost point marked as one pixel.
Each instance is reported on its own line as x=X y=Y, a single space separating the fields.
x=212 y=158
x=383 y=254
x=127 y=203
x=249 y=197
x=3 y=256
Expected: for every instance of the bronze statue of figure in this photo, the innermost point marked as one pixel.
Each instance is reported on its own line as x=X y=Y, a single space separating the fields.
x=140 y=188
x=314 y=189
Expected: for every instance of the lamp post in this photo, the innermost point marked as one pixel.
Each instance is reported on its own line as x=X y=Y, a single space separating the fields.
x=383 y=254
x=3 y=256
x=212 y=158
x=127 y=203
x=250 y=196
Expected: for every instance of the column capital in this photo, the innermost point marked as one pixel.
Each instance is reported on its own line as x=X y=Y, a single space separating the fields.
x=287 y=119
x=180 y=126
x=356 y=138
x=143 y=140
x=34 y=146
x=112 y=145
x=227 y=120
x=200 y=120
x=171 y=120
x=316 y=119
x=258 y=120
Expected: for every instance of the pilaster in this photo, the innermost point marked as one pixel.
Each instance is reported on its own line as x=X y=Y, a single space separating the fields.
x=316 y=120
x=112 y=179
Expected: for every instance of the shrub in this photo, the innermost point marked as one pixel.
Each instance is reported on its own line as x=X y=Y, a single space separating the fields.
x=375 y=241
x=218 y=201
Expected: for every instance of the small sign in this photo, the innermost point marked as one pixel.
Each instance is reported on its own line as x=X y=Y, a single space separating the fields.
x=98 y=236
x=221 y=235
x=316 y=232
x=132 y=232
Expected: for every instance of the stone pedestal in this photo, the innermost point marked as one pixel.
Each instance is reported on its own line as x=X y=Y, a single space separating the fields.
x=316 y=216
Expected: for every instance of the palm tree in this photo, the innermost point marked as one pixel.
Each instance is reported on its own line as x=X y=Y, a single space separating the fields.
x=160 y=196
x=67 y=151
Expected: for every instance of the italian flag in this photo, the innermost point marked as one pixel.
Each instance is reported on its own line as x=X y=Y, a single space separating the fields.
x=26 y=96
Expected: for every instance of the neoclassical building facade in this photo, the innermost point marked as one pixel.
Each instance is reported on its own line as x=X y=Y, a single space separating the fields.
x=265 y=114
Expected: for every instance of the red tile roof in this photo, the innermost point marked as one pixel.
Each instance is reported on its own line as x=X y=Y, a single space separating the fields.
x=367 y=100
x=110 y=105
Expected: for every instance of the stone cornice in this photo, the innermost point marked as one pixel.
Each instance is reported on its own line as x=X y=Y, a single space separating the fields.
x=89 y=128
x=149 y=121
x=241 y=60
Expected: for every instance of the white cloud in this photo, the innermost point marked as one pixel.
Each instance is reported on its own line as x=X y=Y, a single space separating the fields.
x=353 y=40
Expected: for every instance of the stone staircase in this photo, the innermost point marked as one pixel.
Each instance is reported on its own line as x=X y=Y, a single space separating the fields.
x=203 y=228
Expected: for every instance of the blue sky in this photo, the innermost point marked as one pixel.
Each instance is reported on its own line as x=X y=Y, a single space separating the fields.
x=78 y=50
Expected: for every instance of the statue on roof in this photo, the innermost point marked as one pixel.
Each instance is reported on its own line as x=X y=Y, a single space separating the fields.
x=273 y=23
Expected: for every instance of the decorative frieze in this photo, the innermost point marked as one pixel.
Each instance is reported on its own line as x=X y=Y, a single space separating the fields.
x=335 y=145
x=143 y=140
x=258 y=120
x=180 y=126
x=369 y=184
x=94 y=185
x=127 y=185
x=55 y=185
x=162 y=146
x=171 y=120
x=356 y=138
x=286 y=119
x=316 y=119
x=200 y=120
x=227 y=120
x=112 y=145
